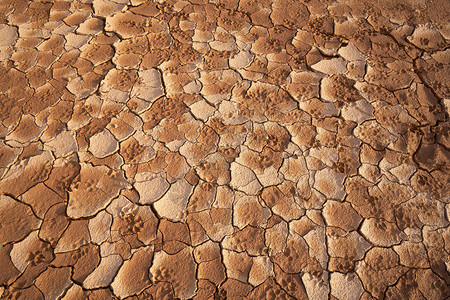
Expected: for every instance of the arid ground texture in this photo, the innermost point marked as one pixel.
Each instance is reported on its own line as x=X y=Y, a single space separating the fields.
x=235 y=149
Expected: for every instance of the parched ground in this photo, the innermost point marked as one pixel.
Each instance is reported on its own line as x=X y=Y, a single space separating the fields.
x=250 y=149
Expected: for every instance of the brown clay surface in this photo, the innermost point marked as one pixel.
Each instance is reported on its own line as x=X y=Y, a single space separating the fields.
x=236 y=149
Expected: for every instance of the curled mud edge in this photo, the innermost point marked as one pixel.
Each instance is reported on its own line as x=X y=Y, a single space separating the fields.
x=224 y=149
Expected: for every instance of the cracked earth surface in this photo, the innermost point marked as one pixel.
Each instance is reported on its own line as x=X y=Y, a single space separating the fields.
x=224 y=149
